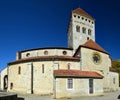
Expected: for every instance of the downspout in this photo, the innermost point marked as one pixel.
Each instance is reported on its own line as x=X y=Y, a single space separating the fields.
x=31 y=78
x=80 y=60
x=54 y=83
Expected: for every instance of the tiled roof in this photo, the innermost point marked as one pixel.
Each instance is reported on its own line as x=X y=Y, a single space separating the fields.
x=92 y=45
x=81 y=11
x=77 y=73
x=45 y=58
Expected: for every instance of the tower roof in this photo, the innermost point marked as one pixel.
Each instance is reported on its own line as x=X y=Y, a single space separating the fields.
x=81 y=11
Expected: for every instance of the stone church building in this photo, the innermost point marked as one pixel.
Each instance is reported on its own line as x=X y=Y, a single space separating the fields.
x=82 y=69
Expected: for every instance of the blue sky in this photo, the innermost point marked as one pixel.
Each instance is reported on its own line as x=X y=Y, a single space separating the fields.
x=26 y=24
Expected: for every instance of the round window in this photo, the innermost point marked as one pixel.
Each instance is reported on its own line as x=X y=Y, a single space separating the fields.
x=64 y=52
x=28 y=54
x=96 y=58
x=45 y=52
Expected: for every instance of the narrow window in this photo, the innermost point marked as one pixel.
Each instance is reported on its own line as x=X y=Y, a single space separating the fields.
x=19 y=70
x=77 y=28
x=87 y=38
x=11 y=85
x=89 y=31
x=113 y=80
x=70 y=83
x=69 y=66
x=84 y=30
x=42 y=68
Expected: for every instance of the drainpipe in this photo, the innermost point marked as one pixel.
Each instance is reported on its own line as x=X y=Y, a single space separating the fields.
x=31 y=78
x=54 y=82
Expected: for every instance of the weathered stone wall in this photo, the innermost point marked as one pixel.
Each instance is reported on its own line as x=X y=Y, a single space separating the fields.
x=42 y=81
x=113 y=81
x=80 y=87
x=102 y=68
x=51 y=52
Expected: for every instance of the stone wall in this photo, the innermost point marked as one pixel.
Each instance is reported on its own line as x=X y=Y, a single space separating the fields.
x=42 y=78
x=80 y=87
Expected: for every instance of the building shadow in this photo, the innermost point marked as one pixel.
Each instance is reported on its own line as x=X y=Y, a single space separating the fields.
x=19 y=98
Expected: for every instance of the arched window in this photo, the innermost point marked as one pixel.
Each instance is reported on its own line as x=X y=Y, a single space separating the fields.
x=88 y=38
x=42 y=68
x=77 y=28
x=11 y=85
x=84 y=30
x=68 y=66
x=89 y=31
x=19 y=70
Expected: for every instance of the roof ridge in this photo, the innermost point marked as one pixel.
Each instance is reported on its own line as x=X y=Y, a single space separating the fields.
x=81 y=11
x=93 y=45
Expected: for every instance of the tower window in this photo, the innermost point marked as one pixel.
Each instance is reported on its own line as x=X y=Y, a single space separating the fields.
x=74 y=15
x=82 y=18
x=19 y=70
x=84 y=30
x=89 y=31
x=77 y=28
x=78 y=16
x=85 y=19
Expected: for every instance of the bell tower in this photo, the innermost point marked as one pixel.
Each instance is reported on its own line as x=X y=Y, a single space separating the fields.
x=81 y=28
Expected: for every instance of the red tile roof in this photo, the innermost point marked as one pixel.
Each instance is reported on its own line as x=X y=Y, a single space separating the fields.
x=77 y=73
x=92 y=45
x=45 y=58
x=81 y=11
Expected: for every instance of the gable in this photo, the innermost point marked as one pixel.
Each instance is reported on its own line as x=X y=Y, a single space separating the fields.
x=90 y=45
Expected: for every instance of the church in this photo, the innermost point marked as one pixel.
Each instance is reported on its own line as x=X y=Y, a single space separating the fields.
x=82 y=69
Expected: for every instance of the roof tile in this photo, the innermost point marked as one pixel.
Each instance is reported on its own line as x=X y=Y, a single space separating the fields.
x=81 y=11
x=92 y=45
x=77 y=73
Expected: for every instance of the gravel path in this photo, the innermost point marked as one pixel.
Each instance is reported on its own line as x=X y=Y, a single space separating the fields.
x=106 y=96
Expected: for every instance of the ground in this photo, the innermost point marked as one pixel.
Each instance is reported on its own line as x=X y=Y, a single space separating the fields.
x=106 y=96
